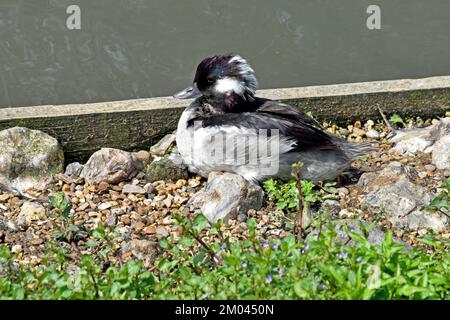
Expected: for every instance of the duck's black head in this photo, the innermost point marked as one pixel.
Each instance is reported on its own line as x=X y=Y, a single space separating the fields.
x=226 y=81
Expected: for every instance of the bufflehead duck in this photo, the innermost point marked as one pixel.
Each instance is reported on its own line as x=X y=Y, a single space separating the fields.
x=227 y=128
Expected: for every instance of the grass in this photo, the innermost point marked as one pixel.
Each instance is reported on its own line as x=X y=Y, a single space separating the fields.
x=320 y=268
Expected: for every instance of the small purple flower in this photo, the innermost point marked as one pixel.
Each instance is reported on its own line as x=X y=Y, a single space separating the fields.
x=275 y=246
x=223 y=246
x=205 y=296
x=281 y=271
x=358 y=259
x=352 y=229
x=265 y=244
x=343 y=255
x=269 y=279
x=322 y=286
x=244 y=264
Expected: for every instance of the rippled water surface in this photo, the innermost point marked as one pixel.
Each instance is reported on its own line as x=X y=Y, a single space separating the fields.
x=144 y=48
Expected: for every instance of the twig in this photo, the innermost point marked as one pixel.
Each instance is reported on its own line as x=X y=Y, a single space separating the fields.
x=298 y=225
x=320 y=229
x=208 y=248
x=388 y=125
x=97 y=293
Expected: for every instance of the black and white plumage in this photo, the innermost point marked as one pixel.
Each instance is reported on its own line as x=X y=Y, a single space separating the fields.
x=219 y=131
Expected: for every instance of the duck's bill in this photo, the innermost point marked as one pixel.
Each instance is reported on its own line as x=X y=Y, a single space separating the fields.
x=188 y=93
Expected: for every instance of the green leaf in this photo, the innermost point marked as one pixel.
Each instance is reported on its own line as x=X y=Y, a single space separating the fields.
x=163 y=243
x=92 y=243
x=200 y=223
x=186 y=241
x=374 y=280
x=396 y=119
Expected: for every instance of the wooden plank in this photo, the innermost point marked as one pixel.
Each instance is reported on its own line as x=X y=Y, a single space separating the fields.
x=137 y=124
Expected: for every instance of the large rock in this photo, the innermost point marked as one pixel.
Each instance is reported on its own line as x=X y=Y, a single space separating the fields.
x=441 y=153
x=170 y=167
x=403 y=203
x=28 y=159
x=371 y=181
x=73 y=170
x=161 y=148
x=113 y=165
x=30 y=212
x=415 y=140
x=441 y=149
x=226 y=195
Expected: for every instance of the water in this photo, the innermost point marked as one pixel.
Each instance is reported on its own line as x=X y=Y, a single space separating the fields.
x=136 y=48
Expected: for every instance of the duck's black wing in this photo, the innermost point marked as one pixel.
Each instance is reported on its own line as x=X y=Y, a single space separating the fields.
x=291 y=125
x=285 y=110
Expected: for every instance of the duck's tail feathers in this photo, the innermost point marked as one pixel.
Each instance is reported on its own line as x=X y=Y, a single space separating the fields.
x=355 y=150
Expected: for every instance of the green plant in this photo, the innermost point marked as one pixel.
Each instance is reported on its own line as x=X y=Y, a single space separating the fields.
x=396 y=119
x=61 y=202
x=286 y=194
x=66 y=229
x=322 y=267
x=441 y=202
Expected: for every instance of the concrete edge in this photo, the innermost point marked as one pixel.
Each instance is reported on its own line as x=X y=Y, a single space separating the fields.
x=348 y=89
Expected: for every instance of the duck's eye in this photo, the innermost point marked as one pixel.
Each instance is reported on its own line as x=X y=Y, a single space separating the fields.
x=210 y=79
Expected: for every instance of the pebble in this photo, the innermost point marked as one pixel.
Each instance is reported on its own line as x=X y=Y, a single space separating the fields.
x=344 y=213
x=168 y=201
x=17 y=248
x=133 y=188
x=125 y=219
x=194 y=183
x=149 y=188
x=104 y=206
x=242 y=217
x=102 y=186
x=139 y=225
x=372 y=134
x=369 y=124
x=37 y=241
x=430 y=167
x=117 y=211
x=150 y=230
x=422 y=174
x=342 y=191
x=162 y=232
x=358 y=131
x=111 y=219
x=5 y=197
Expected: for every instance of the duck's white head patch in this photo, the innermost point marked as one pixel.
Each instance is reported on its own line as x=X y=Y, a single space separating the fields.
x=227 y=84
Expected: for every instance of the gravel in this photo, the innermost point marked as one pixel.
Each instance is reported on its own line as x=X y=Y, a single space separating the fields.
x=141 y=210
